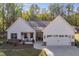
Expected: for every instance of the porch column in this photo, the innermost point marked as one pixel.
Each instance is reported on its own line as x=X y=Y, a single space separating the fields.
x=28 y=35
x=8 y=35
x=34 y=36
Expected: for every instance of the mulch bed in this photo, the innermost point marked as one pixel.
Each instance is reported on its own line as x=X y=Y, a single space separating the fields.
x=13 y=46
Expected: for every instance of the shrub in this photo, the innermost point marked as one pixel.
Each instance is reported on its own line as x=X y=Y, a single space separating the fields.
x=43 y=53
x=1 y=42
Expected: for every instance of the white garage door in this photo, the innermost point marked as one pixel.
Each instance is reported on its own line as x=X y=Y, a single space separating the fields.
x=58 y=41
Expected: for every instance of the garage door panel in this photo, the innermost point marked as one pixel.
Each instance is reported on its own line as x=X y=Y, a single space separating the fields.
x=58 y=41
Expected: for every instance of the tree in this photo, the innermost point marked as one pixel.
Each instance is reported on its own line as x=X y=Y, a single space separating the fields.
x=33 y=11
x=12 y=12
x=8 y=14
x=69 y=9
x=55 y=9
x=77 y=9
x=2 y=17
x=25 y=15
x=77 y=17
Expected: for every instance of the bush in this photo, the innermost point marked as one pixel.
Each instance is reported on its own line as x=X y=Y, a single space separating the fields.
x=1 y=42
x=43 y=53
x=76 y=43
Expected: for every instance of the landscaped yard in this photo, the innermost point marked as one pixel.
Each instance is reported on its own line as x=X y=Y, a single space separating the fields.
x=19 y=52
x=9 y=50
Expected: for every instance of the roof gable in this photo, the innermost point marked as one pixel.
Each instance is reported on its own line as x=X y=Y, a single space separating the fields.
x=59 y=23
x=20 y=25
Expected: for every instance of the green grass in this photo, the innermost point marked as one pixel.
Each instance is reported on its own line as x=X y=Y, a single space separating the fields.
x=19 y=52
x=2 y=41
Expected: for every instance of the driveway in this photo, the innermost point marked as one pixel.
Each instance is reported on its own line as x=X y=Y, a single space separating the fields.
x=64 y=50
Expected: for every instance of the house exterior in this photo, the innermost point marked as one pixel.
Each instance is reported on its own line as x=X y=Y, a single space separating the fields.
x=20 y=30
x=55 y=33
x=58 y=32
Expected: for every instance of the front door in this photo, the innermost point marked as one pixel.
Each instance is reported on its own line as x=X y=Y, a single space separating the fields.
x=39 y=36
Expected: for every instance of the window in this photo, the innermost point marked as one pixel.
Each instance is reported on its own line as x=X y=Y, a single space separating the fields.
x=25 y=35
x=13 y=35
x=66 y=35
x=49 y=35
x=31 y=35
x=55 y=35
x=61 y=35
x=70 y=36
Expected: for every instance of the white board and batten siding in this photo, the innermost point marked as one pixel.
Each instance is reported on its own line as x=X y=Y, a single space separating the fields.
x=58 y=32
x=19 y=26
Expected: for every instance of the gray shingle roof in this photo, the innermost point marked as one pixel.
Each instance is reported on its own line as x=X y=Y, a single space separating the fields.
x=38 y=25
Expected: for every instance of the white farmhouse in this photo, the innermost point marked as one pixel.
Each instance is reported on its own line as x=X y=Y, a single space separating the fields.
x=58 y=32
x=20 y=30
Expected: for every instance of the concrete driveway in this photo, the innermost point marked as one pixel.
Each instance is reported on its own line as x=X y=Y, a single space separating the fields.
x=64 y=50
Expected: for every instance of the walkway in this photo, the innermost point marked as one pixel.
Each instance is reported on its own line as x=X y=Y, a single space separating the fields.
x=39 y=45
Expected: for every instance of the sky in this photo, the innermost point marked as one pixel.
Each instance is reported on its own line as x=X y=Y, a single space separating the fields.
x=44 y=5
x=41 y=5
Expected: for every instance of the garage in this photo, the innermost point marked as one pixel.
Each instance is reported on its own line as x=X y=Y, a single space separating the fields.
x=59 y=40
x=58 y=32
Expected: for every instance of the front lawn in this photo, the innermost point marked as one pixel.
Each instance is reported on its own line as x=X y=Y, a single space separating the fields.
x=10 y=50
x=19 y=52
x=2 y=41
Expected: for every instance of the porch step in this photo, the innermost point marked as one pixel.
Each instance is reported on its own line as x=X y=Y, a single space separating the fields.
x=26 y=43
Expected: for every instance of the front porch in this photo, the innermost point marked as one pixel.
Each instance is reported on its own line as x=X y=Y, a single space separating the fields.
x=23 y=38
x=20 y=44
x=27 y=37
